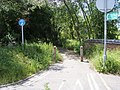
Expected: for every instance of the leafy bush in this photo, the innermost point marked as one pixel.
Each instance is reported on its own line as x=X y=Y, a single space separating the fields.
x=17 y=64
x=90 y=50
x=112 y=64
x=72 y=44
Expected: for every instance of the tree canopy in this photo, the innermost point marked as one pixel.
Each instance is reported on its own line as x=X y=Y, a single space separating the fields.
x=53 y=21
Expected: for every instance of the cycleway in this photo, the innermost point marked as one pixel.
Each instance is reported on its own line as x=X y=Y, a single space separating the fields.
x=71 y=74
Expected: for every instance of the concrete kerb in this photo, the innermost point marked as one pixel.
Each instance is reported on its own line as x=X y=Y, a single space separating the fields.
x=21 y=81
x=24 y=80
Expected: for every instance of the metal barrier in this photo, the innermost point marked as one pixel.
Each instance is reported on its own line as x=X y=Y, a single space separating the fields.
x=109 y=41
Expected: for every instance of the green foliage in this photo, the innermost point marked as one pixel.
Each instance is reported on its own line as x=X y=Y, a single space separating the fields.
x=10 y=12
x=90 y=50
x=112 y=64
x=112 y=32
x=51 y=22
x=17 y=64
x=71 y=44
x=47 y=87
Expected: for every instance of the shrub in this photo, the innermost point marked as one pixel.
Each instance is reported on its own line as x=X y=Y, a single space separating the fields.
x=112 y=64
x=17 y=64
x=72 y=45
x=91 y=49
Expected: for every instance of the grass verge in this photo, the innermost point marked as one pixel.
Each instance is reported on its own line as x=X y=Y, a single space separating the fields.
x=112 y=64
x=17 y=64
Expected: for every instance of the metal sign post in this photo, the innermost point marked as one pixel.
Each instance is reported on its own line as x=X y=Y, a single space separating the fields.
x=22 y=23
x=105 y=6
x=105 y=32
x=22 y=35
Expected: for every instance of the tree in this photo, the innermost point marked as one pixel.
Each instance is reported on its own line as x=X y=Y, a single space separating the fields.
x=40 y=27
x=9 y=13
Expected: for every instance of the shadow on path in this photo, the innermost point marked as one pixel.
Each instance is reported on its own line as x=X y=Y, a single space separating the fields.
x=71 y=55
x=56 y=67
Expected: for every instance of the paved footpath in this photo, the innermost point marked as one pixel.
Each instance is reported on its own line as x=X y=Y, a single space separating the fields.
x=71 y=74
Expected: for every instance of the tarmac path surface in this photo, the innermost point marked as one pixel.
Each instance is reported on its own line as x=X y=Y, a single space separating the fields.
x=71 y=74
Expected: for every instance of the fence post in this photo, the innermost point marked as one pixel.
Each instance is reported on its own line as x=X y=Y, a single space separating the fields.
x=54 y=53
x=81 y=53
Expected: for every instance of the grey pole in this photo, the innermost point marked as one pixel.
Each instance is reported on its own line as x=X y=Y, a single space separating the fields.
x=81 y=53
x=22 y=36
x=55 y=53
x=105 y=32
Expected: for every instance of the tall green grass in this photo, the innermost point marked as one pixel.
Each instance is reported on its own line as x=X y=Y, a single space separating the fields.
x=112 y=64
x=17 y=64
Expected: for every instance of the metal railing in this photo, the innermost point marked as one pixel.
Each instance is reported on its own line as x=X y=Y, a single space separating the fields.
x=109 y=41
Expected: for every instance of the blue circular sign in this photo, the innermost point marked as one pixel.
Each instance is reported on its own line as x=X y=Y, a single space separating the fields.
x=21 y=22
